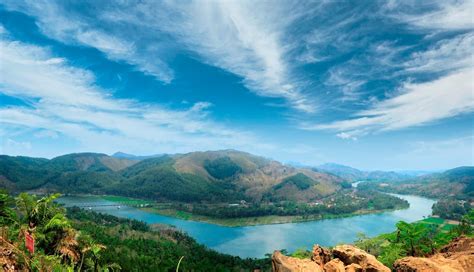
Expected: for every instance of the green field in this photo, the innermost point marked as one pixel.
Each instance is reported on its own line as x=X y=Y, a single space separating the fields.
x=443 y=224
x=127 y=200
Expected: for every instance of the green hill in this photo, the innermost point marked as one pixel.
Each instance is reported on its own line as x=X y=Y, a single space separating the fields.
x=213 y=176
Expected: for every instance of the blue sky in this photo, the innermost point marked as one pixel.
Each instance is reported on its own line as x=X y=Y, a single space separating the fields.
x=371 y=84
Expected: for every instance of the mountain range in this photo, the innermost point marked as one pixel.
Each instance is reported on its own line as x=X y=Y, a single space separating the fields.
x=225 y=175
x=353 y=174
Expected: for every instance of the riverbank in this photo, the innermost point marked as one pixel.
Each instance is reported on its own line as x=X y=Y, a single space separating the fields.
x=167 y=209
x=256 y=221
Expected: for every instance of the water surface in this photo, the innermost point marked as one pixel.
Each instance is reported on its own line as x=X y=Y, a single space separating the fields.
x=256 y=241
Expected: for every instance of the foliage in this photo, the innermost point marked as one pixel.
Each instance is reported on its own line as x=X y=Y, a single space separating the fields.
x=416 y=239
x=451 y=208
x=300 y=180
x=302 y=253
x=88 y=241
x=136 y=246
x=57 y=246
x=337 y=204
x=222 y=167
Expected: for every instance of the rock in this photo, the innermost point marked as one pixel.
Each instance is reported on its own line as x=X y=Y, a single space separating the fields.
x=354 y=268
x=335 y=265
x=282 y=263
x=433 y=264
x=321 y=255
x=458 y=256
x=349 y=254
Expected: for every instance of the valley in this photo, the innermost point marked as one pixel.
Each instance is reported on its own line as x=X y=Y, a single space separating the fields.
x=225 y=187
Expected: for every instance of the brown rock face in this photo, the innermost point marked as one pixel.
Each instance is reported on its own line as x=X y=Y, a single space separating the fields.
x=354 y=268
x=335 y=265
x=349 y=254
x=458 y=256
x=321 y=255
x=282 y=263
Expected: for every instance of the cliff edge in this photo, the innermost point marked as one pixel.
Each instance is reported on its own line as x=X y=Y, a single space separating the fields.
x=458 y=256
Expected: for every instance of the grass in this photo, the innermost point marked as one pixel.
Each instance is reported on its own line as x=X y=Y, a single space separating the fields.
x=440 y=222
x=126 y=200
x=433 y=220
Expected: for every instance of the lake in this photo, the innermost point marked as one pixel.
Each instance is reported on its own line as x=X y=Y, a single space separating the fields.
x=256 y=241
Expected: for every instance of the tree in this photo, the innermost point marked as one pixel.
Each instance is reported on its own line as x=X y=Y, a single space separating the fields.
x=416 y=238
x=7 y=215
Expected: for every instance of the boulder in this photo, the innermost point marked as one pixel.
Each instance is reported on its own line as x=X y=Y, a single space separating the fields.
x=354 y=268
x=349 y=254
x=433 y=264
x=321 y=255
x=457 y=256
x=335 y=265
x=282 y=263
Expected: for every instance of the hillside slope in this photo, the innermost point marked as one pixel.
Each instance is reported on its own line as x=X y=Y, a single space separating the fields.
x=457 y=182
x=226 y=175
x=353 y=174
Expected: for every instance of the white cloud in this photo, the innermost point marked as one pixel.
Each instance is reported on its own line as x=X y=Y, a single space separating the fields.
x=66 y=26
x=444 y=15
x=233 y=35
x=418 y=104
x=346 y=136
x=64 y=100
x=445 y=55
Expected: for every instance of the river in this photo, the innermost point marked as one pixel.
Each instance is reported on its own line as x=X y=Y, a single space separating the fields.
x=256 y=241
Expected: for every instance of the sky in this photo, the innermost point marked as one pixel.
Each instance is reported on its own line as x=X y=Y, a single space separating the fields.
x=383 y=85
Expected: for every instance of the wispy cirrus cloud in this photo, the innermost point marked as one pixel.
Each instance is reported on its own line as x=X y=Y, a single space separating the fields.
x=428 y=83
x=62 y=100
x=417 y=104
x=438 y=14
x=233 y=35
x=62 y=21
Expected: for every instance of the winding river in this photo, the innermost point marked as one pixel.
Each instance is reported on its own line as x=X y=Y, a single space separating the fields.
x=256 y=241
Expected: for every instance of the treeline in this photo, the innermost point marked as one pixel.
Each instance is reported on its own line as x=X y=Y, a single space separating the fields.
x=452 y=208
x=88 y=241
x=454 y=196
x=338 y=204
x=137 y=246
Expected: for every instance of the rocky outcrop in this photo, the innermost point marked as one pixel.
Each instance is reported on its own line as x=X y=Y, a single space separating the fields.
x=352 y=255
x=341 y=259
x=282 y=263
x=335 y=265
x=458 y=256
x=321 y=255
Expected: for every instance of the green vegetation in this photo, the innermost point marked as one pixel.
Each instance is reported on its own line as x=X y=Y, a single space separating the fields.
x=222 y=168
x=58 y=246
x=300 y=180
x=418 y=239
x=342 y=204
x=451 y=208
x=127 y=200
x=88 y=241
x=453 y=188
x=136 y=246
x=198 y=177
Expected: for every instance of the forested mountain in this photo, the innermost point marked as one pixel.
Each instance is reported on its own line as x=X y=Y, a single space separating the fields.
x=353 y=174
x=453 y=188
x=457 y=182
x=198 y=176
